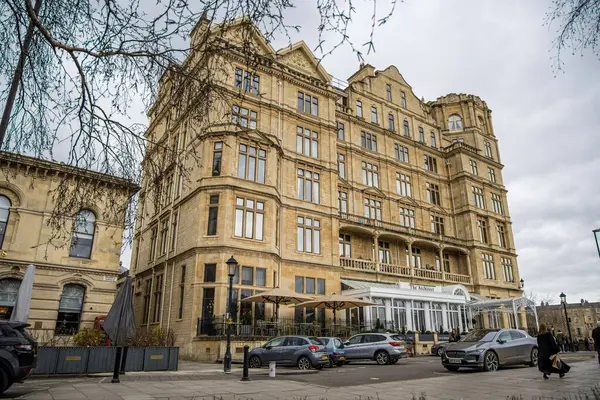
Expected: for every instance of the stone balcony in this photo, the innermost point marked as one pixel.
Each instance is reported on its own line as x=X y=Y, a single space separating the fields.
x=403 y=271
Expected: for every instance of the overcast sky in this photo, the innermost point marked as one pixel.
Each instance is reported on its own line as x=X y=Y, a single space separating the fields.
x=546 y=123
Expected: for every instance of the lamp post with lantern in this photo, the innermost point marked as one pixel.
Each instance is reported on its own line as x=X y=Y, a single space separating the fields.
x=596 y=233
x=563 y=301
x=231 y=268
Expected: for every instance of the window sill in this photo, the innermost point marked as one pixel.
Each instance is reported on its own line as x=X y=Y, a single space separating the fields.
x=249 y=239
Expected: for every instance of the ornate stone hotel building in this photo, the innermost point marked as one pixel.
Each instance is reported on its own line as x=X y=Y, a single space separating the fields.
x=322 y=187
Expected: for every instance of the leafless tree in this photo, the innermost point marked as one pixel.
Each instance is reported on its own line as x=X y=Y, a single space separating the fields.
x=71 y=72
x=578 y=27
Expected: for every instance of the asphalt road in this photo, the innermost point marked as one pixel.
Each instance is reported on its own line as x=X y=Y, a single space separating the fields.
x=368 y=372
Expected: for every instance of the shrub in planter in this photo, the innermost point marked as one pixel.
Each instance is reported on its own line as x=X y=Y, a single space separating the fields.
x=88 y=338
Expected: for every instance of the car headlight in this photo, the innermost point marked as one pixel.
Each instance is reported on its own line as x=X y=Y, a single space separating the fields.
x=477 y=351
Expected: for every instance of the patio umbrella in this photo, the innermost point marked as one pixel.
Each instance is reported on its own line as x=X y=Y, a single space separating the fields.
x=336 y=302
x=278 y=296
x=20 y=311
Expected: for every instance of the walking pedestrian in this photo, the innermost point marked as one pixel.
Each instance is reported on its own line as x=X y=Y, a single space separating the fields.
x=586 y=341
x=596 y=338
x=548 y=350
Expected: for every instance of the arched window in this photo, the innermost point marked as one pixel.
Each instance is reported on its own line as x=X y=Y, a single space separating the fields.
x=488 y=150
x=455 y=122
x=69 y=309
x=83 y=234
x=4 y=214
x=9 y=288
x=482 y=124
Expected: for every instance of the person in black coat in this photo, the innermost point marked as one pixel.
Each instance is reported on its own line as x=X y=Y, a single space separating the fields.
x=596 y=337
x=547 y=347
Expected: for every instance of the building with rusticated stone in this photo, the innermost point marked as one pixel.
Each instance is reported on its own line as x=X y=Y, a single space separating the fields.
x=322 y=186
x=77 y=264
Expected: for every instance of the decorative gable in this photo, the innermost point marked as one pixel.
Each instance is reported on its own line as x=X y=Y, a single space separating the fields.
x=299 y=57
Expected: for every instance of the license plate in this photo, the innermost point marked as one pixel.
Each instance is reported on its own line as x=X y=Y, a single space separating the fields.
x=454 y=360
x=341 y=358
x=324 y=357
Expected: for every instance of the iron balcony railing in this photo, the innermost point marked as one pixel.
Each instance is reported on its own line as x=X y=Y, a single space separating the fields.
x=397 y=228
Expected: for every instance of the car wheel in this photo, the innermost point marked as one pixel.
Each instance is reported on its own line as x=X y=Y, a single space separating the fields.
x=319 y=367
x=340 y=364
x=451 y=368
x=304 y=363
x=490 y=362
x=4 y=384
x=254 y=362
x=382 y=357
x=440 y=351
x=331 y=363
x=534 y=357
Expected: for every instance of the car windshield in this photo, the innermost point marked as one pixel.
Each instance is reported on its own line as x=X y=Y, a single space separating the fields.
x=314 y=340
x=480 y=336
x=324 y=340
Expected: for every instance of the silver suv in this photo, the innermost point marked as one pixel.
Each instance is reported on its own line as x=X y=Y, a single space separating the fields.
x=384 y=348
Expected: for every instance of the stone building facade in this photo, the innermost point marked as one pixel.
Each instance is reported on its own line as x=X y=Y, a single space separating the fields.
x=76 y=273
x=309 y=181
x=584 y=317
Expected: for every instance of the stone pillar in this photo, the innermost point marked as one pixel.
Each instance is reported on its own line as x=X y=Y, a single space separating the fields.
x=389 y=317
x=428 y=316
x=522 y=318
x=376 y=251
x=469 y=270
x=445 y=317
x=442 y=263
x=410 y=259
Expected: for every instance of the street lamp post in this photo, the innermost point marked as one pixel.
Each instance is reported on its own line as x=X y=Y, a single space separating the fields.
x=231 y=267
x=563 y=300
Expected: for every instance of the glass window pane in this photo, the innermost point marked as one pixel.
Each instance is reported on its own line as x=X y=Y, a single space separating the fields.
x=310 y=285
x=261 y=171
x=299 y=284
x=261 y=277
x=308 y=236
x=239 y=217
x=308 y=190
x=249 y=223
x=299 y=144
x=316 y=192
x=251 y=168
x=300 y=188
x=259 y=226
x=306 y=146
x=300 y=238
x=317 y=242
x=247 y=275
x=315 y=148
x=242 y=166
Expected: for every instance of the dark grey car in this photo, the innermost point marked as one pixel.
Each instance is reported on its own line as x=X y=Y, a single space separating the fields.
x=383 y=348
x=303 y=352
x=489 y=349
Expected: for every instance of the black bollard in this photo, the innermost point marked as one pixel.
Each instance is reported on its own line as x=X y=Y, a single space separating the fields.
x=115 y=378
x=245 y=377
x=124 y=360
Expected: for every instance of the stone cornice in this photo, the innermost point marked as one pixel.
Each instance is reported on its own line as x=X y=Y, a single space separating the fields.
x=58 y=267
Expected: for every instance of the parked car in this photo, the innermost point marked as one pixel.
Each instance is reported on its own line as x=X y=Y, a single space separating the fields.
x=335 y=350
x=302 y=351
x=489 y=349
x=18 y=353
x=380 y=347
x=438 y=349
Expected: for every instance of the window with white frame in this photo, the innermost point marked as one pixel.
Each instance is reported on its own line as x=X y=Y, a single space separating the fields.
x=478 y=197
x=368 y=141
x=488 y=150
x=501 y=235
x=399 y=314
x=489 y=272
x=359 y=112
x=482 y=228
x=372 y=208
x=433 y=193
x=370 y=174
x=407 y=217
x=416 y=257
x=403 y=187
x=385 y=256
x=374 y=114
x=307 y=103
x=473 y=165
x=252 y=162
x=430 y=163
x=437 y=224
x=342 y=202
x=341 y=165
x=492 y=175
x=507 y=270
x=308 y=185
x=244 y=117
x=401 y=152
x=307 y=142
x=345 y=246
x=308 y=235
x=250 y=82
x=497 y=203
x=249 y=218
x=455 y=122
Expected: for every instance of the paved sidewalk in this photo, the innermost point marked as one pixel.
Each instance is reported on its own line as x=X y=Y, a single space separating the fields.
x=475 y=386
